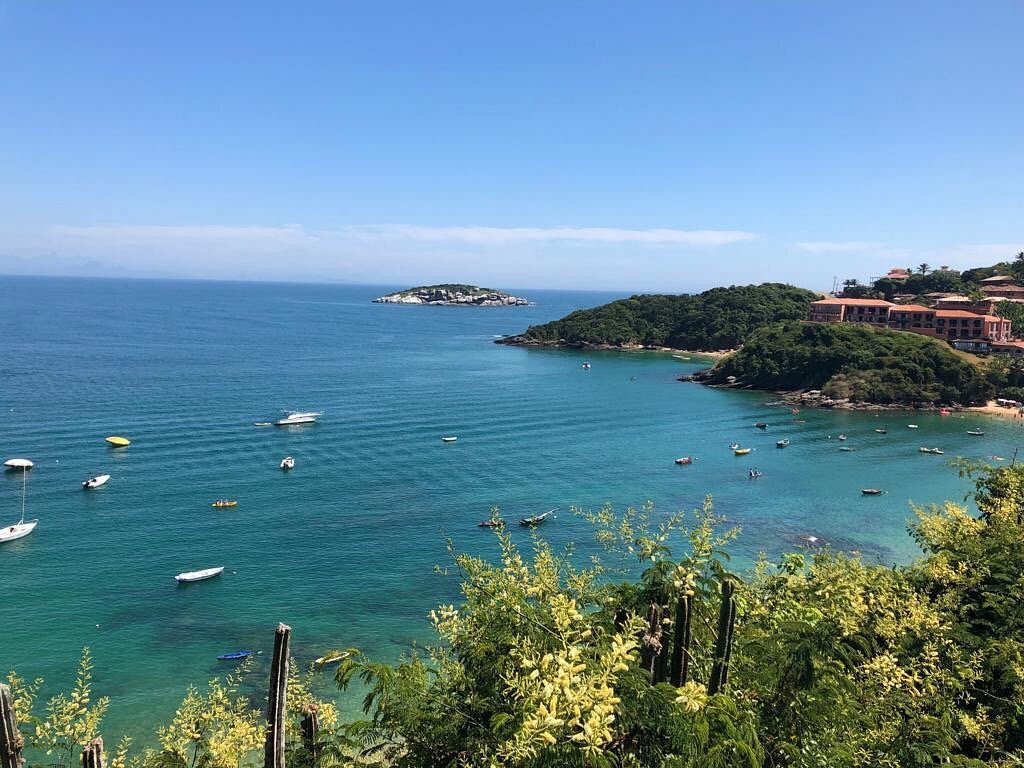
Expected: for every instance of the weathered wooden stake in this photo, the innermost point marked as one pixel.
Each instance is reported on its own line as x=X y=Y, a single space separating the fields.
x=681 y=641
x=311 y=732
x=92 y=755
x=723 y=643
x=11 y=741
x=276 y=699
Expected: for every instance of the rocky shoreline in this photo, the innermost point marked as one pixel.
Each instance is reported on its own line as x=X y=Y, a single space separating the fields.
x=815 y=398
x=445 y=296
x=524 y=341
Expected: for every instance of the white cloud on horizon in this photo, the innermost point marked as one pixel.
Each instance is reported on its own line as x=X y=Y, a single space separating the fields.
x=470 y=235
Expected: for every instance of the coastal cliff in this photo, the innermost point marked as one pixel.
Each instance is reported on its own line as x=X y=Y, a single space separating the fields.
x=454 y=294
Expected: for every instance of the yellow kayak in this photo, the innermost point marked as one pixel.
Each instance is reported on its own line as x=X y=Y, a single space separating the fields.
x=742 y=451
x=224 y=503
x=119 y=442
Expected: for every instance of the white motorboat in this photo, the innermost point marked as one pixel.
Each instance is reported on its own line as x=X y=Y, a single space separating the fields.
x=22 y=464
x=298 y=417
x=189 y=576
x=287 y=463
x=19 y=529
x=449 y=439
x=95 y=482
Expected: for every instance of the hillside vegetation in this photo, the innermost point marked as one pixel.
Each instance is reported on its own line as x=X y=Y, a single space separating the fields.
x=854 y=362
x=812 y=660
x=721 y=318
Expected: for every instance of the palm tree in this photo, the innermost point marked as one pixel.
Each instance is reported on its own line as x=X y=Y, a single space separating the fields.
x=924 y=268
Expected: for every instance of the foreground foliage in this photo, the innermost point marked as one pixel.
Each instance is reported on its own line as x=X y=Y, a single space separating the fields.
x=720 y=318
x=854 y=361
x=829 y=661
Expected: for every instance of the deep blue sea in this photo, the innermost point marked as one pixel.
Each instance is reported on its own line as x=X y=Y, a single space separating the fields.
x=344 y=547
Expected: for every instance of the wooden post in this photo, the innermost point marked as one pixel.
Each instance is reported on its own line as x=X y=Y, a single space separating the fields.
x=92 y=755
x=276 y=699
x=681 y=645
x=311 y=732
x=11 y=741
x=723 y=643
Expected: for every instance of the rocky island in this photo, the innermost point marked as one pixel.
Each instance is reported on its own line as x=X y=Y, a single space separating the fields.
x=454 y=294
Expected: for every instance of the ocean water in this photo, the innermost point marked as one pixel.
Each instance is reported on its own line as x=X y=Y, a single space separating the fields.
x=344 y=547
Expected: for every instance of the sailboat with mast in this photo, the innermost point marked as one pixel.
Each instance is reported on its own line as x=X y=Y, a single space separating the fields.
x=20 y=529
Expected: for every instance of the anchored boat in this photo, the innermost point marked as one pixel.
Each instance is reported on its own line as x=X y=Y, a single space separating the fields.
x=530 y=522
x=684 y=460
x=119 y=442
x=287 y=463
x=291 y=418
x=95 y=482
x=235 y=656
x=190 y=576
x=22 y=465
x=20 y=529
x=224 y=503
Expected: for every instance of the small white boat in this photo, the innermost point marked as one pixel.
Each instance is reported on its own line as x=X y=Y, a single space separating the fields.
x=585 y=366
x=287 y=463
x=22 y=464
x=96 y=482
x=19 y=529
x=189 y=576
x=298 y=417
x=937 y=451
x=975 y=432
x=449 y=439
x=842 y=437
x=911 y=426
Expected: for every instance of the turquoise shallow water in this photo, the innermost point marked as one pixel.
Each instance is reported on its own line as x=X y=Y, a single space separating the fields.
x=344 y=547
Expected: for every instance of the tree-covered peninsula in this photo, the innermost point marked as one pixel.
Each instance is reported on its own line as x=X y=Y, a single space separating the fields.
x=721 y=318
x=453 y=294
x=852 y=362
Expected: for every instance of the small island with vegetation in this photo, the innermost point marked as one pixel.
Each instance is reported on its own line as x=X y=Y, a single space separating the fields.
x=454 y=294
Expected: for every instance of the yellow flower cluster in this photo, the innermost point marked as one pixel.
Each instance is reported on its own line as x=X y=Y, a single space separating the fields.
x=569 y=692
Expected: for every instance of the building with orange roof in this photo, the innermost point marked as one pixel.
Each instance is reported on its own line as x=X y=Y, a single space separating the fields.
x=912 y=317
x=839 y=310
x=951 y=324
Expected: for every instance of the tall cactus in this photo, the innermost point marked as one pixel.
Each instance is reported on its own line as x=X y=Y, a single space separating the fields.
x=723 y=643
x=276 y=699
x=92 y=755
x=311 y=732
x=682 y=635
x=651 y=641
x=11 y=741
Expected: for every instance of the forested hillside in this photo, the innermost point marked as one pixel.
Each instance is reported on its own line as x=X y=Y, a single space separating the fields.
x=721 y=318
x=854 y=361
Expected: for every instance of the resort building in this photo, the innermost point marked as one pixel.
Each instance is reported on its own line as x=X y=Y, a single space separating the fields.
x=911 y=317
x=952 y=324
x=970 y=331
x=985 y=306
x=836 y=310
x=897 y=273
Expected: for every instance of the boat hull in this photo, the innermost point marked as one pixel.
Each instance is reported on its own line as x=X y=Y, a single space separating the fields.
x=192 y=576
x=95 y=482
x=17 y=531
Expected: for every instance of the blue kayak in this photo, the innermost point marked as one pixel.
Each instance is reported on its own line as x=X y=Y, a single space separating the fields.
x=235 y=656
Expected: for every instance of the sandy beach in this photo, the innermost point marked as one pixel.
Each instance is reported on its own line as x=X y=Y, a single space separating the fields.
x=992 y=409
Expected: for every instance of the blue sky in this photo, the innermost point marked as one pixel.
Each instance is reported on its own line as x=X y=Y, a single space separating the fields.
x=609 y=145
